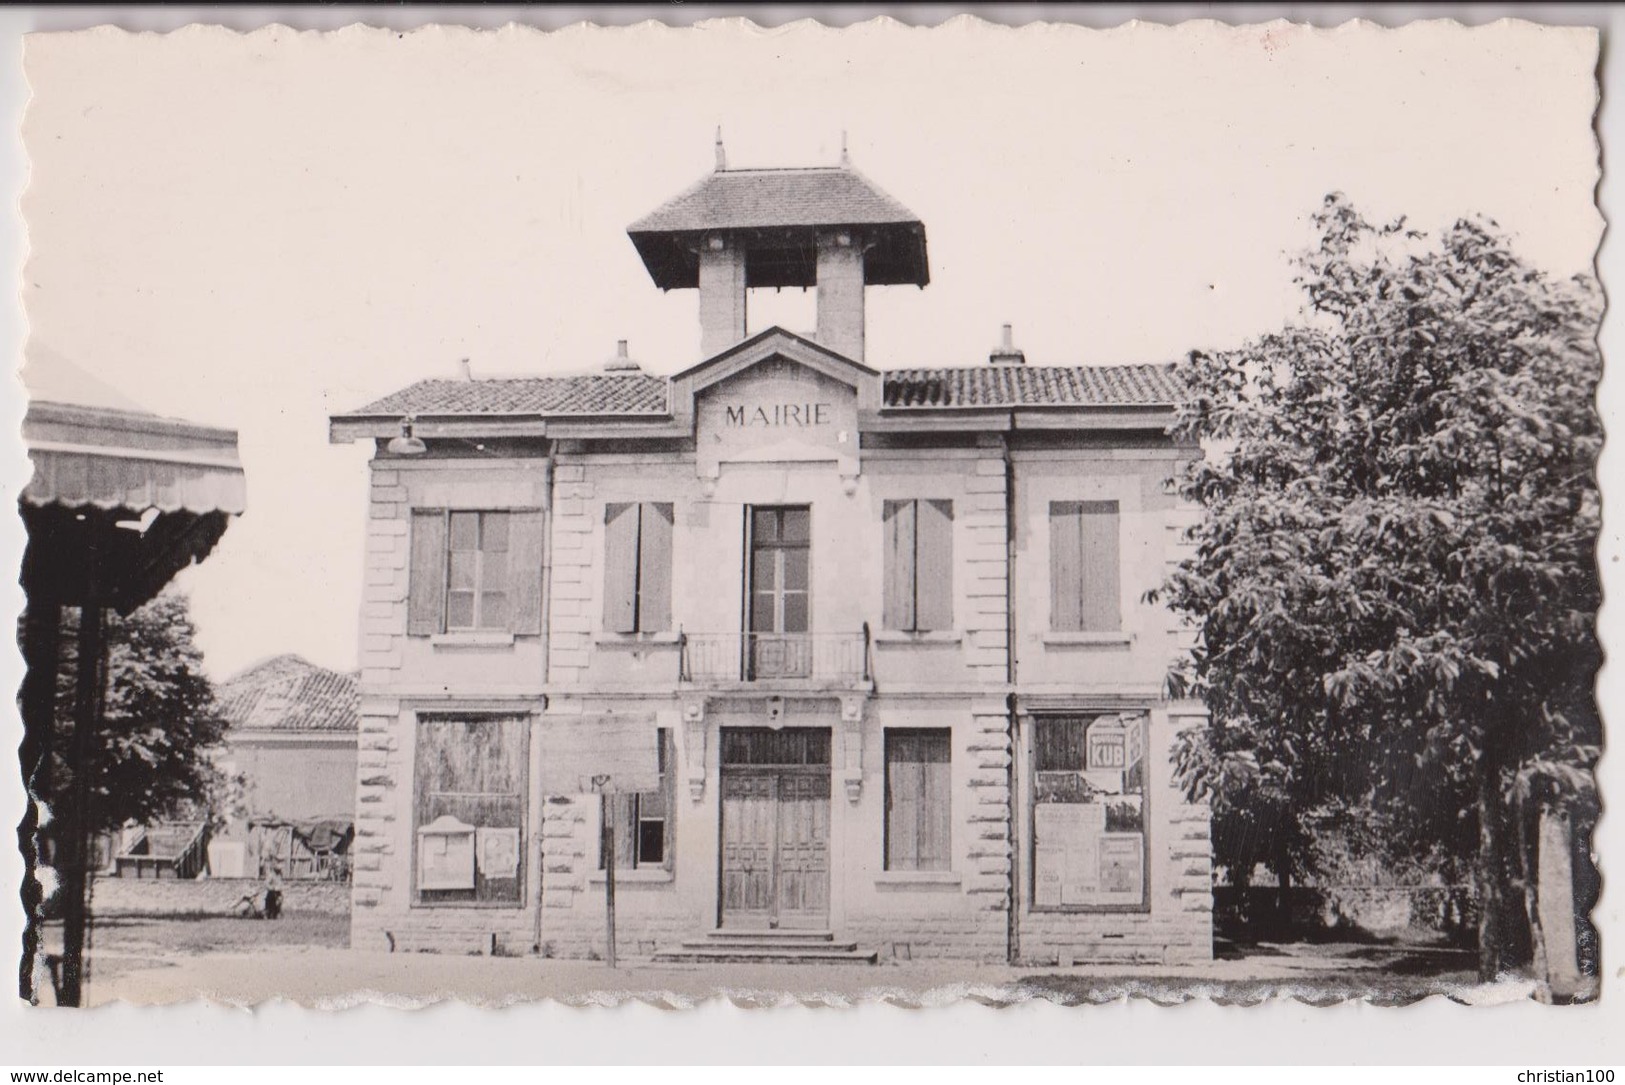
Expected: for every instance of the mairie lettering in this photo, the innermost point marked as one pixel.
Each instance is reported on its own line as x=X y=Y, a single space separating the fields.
x=777 y=414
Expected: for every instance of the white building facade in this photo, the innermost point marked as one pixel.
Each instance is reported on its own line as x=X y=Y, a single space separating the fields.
x=884 y=630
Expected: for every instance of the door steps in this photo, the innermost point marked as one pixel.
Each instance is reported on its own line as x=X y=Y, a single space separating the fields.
x=765 y=947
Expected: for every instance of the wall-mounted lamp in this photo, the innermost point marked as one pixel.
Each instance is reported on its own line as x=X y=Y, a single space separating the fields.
x=406 y=444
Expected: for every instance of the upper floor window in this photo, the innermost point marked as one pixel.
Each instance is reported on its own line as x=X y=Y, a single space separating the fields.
x=475 y=571
x=637 y=566
x=1083 y=562
x=919 y=565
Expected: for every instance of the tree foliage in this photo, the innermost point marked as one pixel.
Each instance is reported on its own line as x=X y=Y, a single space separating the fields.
x=1394 y=578
x=159 y=719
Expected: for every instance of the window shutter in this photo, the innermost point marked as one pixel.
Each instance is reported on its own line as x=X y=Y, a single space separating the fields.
x=527 y=530
x=654 y=568
x=903 y=774
x=620 y=567
x=934 y=565
x=668 y=788
x=899 y=522
x=426 y=592
x=625 y=809
x=1065 y=575
x=936 y=825
x=1100 y=604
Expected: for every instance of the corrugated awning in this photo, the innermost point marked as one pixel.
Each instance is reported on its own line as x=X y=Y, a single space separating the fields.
x=113 y=459
x=121 y=501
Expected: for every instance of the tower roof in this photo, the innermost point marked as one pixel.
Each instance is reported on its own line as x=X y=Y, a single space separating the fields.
x=780 y=210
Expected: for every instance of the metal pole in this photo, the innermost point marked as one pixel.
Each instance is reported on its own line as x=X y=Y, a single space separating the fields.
x=607 y=834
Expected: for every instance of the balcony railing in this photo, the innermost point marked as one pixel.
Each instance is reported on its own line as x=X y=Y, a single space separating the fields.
x=755 y=657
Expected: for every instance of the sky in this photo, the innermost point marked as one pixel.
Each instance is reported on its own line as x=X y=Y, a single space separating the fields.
x=261 y=231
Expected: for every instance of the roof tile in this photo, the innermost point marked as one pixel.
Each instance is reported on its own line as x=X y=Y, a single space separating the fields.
x=584 y=395
x=990 y=386
x=1033 y=386
x=754 y=199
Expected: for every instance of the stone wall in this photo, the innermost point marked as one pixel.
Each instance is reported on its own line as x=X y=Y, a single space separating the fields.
x=209 y=896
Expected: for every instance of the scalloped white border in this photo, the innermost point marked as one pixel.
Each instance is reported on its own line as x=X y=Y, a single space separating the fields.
x=957 y=1029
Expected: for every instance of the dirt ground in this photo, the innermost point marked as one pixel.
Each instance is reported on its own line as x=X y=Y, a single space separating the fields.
x=149 y=958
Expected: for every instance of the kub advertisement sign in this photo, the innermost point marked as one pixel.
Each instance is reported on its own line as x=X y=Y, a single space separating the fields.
x=576 y=752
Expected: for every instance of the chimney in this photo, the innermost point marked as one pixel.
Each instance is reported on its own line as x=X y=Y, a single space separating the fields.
x=467 y=370
x=840 y=292
x=722 y=156
x=1006 y=353
x=622 y=362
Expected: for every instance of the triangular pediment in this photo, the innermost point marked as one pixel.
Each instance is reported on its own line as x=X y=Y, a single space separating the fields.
x=779 y=347
x=775 y=398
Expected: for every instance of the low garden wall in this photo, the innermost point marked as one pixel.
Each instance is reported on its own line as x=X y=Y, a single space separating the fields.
x=209 y=896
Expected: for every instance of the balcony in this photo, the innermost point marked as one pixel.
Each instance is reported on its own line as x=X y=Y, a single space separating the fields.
x=796 y=660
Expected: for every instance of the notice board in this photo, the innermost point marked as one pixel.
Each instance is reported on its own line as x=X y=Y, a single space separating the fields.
x=623 y=748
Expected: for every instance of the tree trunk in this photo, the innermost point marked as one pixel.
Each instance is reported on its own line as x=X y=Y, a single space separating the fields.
x=1283 y=886
x=1531 y=899
x=42 y=631
x=1490 y=935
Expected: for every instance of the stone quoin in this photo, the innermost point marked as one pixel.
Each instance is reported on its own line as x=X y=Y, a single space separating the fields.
x=855 y=663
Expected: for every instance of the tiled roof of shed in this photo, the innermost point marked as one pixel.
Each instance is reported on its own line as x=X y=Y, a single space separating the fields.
x=287 y=693
x=585 y=395
x=754 y=199
x=1034 y=386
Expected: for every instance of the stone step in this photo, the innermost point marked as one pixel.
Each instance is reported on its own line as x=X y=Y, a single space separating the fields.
x=757 y=945
x=729 y=954
x=749 y=934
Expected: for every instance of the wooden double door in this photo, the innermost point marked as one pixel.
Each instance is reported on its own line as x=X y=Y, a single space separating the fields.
x=775 y=828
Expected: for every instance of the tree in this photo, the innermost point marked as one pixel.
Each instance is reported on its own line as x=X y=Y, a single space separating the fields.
x=159 y=718
x=1394 y=578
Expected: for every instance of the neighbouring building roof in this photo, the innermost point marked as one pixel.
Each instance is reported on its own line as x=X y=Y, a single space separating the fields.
x=984 y=385
x=287 y=693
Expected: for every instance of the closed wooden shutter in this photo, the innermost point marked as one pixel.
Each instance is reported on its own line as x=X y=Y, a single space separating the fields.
x=934 y=565
x=936 y=823
x=527 y=530
x=919 y=825
x=426 y=592
x=620 y=567
x=903 y=778
x=1100 y=605
x=1065 y=556
x=899 y=522
x=654 y=568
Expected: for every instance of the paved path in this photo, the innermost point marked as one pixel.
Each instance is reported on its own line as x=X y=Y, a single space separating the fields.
x=316 y=977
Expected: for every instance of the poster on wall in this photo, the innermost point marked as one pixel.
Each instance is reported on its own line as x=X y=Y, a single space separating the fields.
x=498 y=850
x=1089 y=817
x=446 y=855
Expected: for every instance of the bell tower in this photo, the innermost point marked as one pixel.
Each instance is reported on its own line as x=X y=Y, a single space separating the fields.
x=822 y=227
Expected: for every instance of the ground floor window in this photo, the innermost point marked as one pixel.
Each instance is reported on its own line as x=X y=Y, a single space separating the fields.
x=471 y=778
x=1089 y=812
x=918 y=787
x=645 y=821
